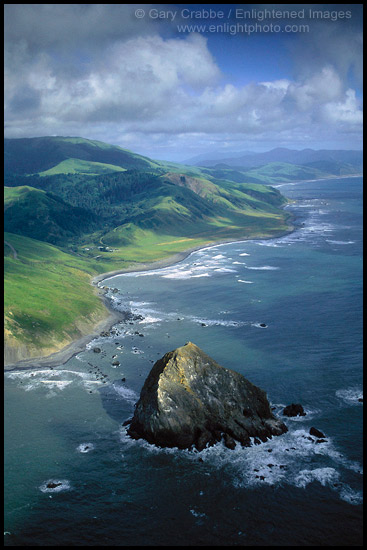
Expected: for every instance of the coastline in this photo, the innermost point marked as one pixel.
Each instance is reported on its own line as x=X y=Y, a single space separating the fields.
x=276 y=185
x=62 y=356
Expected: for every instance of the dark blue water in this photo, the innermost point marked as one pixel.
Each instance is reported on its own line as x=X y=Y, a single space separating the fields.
x=65 y=424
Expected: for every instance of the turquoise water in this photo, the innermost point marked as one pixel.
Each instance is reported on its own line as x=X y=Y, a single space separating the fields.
x=65 y=424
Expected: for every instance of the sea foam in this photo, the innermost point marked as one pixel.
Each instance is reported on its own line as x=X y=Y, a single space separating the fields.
x=293 y=458
x=62 y=485
x=85 y=447
x=350 y=396
x=264 y=268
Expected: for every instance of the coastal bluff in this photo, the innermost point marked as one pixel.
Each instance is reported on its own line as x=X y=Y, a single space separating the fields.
x=190 y=401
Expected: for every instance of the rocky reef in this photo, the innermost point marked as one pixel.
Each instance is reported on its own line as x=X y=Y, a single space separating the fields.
x=188 y=400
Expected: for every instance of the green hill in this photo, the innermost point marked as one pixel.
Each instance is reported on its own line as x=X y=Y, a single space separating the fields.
x=40 y=215
x=76 y=207
x=36 y=155
x=77 y=166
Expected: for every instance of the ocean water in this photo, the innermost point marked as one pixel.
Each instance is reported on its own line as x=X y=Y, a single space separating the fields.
x=64 y=425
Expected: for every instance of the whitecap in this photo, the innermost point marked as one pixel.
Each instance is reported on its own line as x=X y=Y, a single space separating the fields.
x=85 y=447
x=225 y=270
x=350 y=396
x=268 y=243
x=245 y=254
x=197 y=514
x=292 y=458
x=127 y=393
x=28 y=373
x=61 y=485
x=264 y=268
x=248 y=282
x=50 y=379
x=310 y=413
x=325 y=476
x=59 y=384
x=148 y=320
x=178 y=274
x=141 y=273
x=219 y=322
x=349 y=495
x=133 y=304
x=339 y=242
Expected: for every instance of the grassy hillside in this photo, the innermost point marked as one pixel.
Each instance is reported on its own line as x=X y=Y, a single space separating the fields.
x=76 y=208
x=77 y=166
x=48 y=300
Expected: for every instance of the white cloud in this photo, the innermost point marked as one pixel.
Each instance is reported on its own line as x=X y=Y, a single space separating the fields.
x=322 y=87
x=346 y=111
x=135 y=88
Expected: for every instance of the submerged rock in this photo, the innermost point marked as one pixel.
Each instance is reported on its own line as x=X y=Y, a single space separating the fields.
x=52 y=485
x=189 y=400
x=295 y=409
x=316 y=432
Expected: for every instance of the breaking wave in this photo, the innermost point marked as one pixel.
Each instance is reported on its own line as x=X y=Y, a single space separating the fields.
x=293 y=458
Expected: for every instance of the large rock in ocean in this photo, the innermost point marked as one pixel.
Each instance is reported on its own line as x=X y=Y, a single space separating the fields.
x=189 y=400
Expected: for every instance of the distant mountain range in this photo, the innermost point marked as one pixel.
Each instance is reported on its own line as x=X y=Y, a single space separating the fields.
x=323 y=159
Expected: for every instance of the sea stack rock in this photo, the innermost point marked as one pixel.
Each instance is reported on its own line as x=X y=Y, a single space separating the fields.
x=189 y=400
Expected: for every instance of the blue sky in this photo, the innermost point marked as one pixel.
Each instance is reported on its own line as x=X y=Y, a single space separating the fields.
x=172 y=81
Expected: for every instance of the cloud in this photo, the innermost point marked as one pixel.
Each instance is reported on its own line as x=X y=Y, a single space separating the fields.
x=90 y=70
x=69 y=27
x=322 y=87
x=136 y=80
x=337 y=44
x=346 y=111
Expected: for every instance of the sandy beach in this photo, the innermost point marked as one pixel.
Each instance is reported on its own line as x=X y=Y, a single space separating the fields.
x=75 y=347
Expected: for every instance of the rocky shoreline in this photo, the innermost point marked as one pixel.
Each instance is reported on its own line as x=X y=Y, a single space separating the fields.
x=62 y=356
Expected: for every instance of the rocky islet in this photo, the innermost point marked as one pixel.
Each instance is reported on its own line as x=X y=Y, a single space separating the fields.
x=190 y=401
